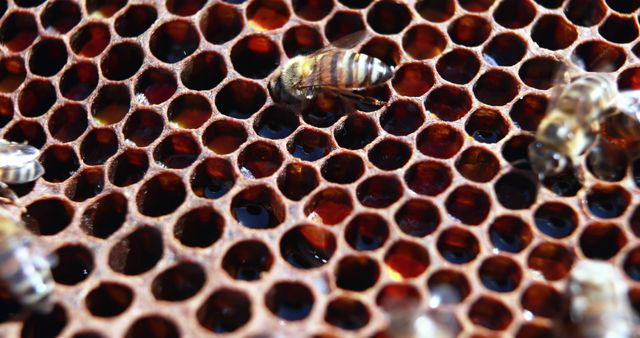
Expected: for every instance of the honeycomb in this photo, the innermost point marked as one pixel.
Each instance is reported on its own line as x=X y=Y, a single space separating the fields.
x=181 y=201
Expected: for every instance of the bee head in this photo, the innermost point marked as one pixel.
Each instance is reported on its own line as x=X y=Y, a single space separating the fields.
x=276 y=87
x=546 y=160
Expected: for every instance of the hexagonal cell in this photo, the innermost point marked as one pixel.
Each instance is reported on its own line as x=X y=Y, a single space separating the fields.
x=224 y=136
x=379 y=191
x=627 y=7
x=619 y=29
x=189 y=111
x=312 y=10
x=555 y=219
x=631 y=264
x=564 y=184
x=291 y=301
x=356 y=273
x=143 y=127
x=173 y=41
x=247 y=260
x=90 y=39
x=221 y=23
x=45 y=325
x=199 y=227
x=108 y=299
x=297 y=180
x=6 y=111
x=388 y=17
x=259 y=159
x=413 y=79
x=397 y=297
x=469 y=30
x=505 y=49
x=75 y=263
x=60 y=16
x=329 y=206
x=18 y=31
x=138 y=252
x=111 y=104
x=468 y=204
x=240 y=99
x=586 y=12
x=135 y=20
x=540 y=72
x=258 y=207
x=553 y=260
x=104 y=216
x=406 y=259
x=153 y=326
x=60 y=162
x=255 y=56
x=79 y=81
x=439 y=140
x=27 y=131
x=36 y=97
x=528 y=111
x=307 y=246
x=86 y=184
x=428 y=177
x=48 y=216
x=423 y=42
x=514 y=14
x=301 y=40
x=516 y=191
x=310 y=145
x=47 y=57
x=458 y=66
x=417 y=217
x=355 y=132
x=476 y=6
x=324 y=109
x=98 y=146
x=341 y=24
x=607 y=201
x=366 y=232
x=602 y=240
x=212 y=178
x=553 y=32
x=204 y=71
x=448 y=103
x=155 y=85
x=543 y=300
x=347 y=313
x=276 y=122
x=104 y=8
x=486 y=126
x=402 y=118
x=389 y=154
x=179 y=282
x=458 y=245
x=177 y=151
x=184 y=8
x=435 y=10
x=122 y=61
x=12 y=73
x=160 y=195
x=128 y=168
x=68 y=122
x=477 y=164
x=343 y=168
x=496 y=88
x=224 y=311
x=490 y=313
x=267 y=14
x=500 y=274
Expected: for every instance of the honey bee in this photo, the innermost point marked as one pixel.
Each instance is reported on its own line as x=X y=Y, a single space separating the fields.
x=599 y=306
x=26 y=271
x=334 y=68
x=18 y=164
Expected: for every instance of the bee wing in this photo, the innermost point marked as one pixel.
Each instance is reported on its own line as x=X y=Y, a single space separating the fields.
x=16 y=154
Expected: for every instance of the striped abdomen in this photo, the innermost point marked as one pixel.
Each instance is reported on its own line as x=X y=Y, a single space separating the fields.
x=23 y=174
x=349 y=70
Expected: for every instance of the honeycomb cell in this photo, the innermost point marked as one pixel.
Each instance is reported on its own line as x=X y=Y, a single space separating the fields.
x=631 y=264
x=153 y=326
x=122 y=61
x=312 y=10
x=402 y=118
x=607 y=161
x=528 y=111
x=329 y=206
x=396 y=296
x=310 y=145
x=619 y=29
x=555 y=219
x=138 y=252
x=224 y=136
x=199 y=227
x=247 y=260
x=68 y=122
x=505 y=49
x=355 y=132
x=291 y=301
x=379 y=191
x=448 y=103
x=450 y=285
x=189 y=111
x=417 y=217
x=111 y=104
x=160 y=195
x=406 y=259
x=104 y=8
x=18 y=31
x=128 y=168
x=36 y=97
x=388 y=17
x=221 y=23
x=514 y=14
x=90 y=39
x=307 y=246
x=255 y=56
x=60 y=16
x=267 y=14
x=343 y=168
x=476 y=6
x=366 y=232
x=47 y=57
x=553 y=32
x=500 y=274
x=540 y=72
x=490 y=313
x=552 y=260
x=602 y=240
x=468 y=204
x=86 y=184
x=301 y=40
x=259 y=159
x=486 y=126
x=607 y=201
x=75 y=264
x=104 y=216
x=98 y=146
x=435 y=10
x=357 y=273
x=60 y=162
x=516 y=191
x=324 y=109
x=469 y=30
x=173 y=41
x=347 y=313
x=495 y=88
x=389 y=154
x=458 y=66
x=585 y=12
x=516 y=151
x=184 y=8
x=428 y=177
x=598 y=56
x=79 y=81
x=413 y=79
x=12 y=73
x=204 y=71
x=276 y=122
x=135 y=20
x=297 y=180
x=240 y=99
x=108 y=299
x=224 y=311
x=542 y=300
x=477 y=164
x=143 y=127
x=38 y=325
x=342 y=24
x=27 y=131
x=258 y=207
x=179 y=282
x=177 y=151
x=566 y=184
x=439 y=140
x=458 y=245
x=213 y=178
x=423 y=42
x=626 y=7
x=48 y=216
x=384 y=49
x=155 y=85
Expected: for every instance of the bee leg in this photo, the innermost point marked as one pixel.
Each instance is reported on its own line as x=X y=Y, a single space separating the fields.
x=8 y=196
x=361 y=99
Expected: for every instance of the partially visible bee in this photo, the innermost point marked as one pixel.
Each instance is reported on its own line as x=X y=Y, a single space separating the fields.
x=18 y=164
x=334 y=68
x=599 y=305
x=25 y=270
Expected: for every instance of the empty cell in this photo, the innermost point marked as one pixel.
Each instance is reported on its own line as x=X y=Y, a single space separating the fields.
x=179 y=282
x=297 y=180
x=248 y=260
x=173 y=41
x=138 y=252
x=307 y=246
x=199 y=227
x=258 y=207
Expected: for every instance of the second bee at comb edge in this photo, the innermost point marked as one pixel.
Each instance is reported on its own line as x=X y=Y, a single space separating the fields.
x=18 y=164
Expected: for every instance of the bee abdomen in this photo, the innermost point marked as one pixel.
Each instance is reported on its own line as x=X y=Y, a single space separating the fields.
x=23 y=174
x=368 y=71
